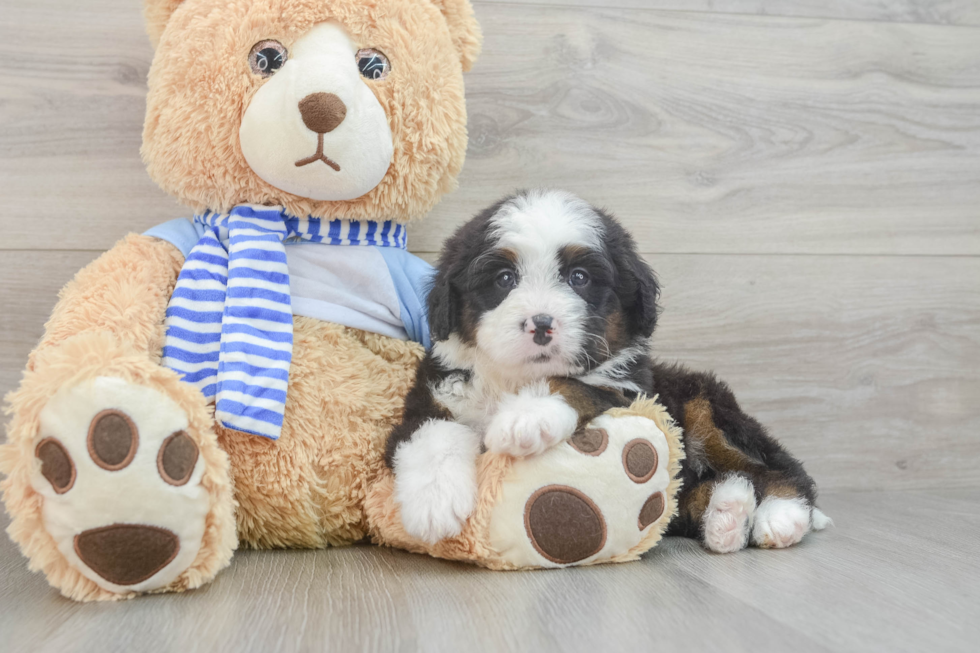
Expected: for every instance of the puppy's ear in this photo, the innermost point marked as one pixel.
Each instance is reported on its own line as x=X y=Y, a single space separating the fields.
x=463 y=28
x=643 y=313
x=443 y=306
x=157 y=13
x=637 y=289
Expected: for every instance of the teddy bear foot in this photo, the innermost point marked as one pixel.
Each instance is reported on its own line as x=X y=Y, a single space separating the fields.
x=602 y=496
x=121 y=481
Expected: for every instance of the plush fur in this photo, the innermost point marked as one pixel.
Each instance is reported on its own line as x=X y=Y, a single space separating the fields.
x=200 y=87
x=109 y=322
x=346 y=387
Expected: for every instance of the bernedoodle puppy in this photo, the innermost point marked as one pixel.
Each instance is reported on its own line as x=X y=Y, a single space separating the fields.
x=541 y=315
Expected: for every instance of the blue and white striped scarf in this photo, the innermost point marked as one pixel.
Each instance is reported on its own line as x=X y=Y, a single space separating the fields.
x=229 y=322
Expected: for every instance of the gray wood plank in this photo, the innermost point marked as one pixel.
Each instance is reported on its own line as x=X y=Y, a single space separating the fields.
x=878 y=581
x=866 y=367
x=862 y=586
x=704 y=132
x=29 y=285
x=940 y=12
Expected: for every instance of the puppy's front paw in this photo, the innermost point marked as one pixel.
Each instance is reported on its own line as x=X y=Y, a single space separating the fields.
x=529 y=423
x=435 y=480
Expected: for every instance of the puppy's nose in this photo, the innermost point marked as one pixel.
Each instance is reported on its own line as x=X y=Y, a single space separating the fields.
x=322 y=112
x=543 y=328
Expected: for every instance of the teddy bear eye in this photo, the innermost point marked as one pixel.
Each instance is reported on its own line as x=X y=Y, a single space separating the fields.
x=267 y=57
x=372 y=64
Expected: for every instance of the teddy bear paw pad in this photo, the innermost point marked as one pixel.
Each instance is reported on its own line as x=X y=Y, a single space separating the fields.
x=121 y=483
x=591 y=500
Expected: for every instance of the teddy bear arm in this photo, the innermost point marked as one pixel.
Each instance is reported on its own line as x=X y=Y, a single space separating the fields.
x=123 y=293
x=95 y=382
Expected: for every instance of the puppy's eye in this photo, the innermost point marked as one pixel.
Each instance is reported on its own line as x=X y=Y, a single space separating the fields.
x=372 y=64
x=267 y=57
x=579 y=278
x=506 y=279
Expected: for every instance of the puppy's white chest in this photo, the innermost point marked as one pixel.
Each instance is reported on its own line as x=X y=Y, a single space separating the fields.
x=471 y=400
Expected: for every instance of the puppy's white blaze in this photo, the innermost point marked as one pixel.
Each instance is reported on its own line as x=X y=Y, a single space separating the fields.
x=728 y=517
x=501 y=332
x=780 y=523
x=530 y=422
x=435 y=479
x=545 y=221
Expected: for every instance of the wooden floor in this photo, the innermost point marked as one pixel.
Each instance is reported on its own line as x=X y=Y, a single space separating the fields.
x=898 y=573
x=804 y=175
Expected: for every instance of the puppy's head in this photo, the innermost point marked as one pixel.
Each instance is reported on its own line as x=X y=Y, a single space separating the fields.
x=541 y=284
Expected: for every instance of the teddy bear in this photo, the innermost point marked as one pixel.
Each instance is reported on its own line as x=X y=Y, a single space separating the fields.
x=230 y=380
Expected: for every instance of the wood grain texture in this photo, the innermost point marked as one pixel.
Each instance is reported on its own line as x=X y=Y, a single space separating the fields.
x=705 y=132
x=29 y=286
x=870 y=584
x=940 y=12
x=866 y=367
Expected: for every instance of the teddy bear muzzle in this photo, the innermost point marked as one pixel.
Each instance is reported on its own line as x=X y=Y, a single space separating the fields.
x=322 y=113
x=315 y=128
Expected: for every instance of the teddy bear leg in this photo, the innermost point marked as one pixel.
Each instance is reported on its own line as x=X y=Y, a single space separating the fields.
x=115 y=482
x=605 y=495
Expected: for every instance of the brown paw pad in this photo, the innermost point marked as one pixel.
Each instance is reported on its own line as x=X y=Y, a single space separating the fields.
x=652 y=509
x=177 y=458
x=639 y=460
x=112 y=440
x=126 y=554
x=56 y=464
x=563 y=524
x=591 y=442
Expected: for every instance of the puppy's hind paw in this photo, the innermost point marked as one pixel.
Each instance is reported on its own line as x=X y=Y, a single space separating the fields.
x=727 y=520
x=780 y=523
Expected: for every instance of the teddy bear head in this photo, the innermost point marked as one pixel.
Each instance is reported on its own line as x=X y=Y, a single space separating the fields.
x=329 y=108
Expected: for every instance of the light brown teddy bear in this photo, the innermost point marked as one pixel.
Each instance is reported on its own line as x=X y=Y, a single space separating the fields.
x=232 y=380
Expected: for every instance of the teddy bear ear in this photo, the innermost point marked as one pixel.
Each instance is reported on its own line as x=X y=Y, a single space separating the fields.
x=157 y=13
x=463 y=28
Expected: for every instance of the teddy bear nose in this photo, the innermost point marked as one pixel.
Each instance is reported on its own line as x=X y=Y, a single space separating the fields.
x=322 y=112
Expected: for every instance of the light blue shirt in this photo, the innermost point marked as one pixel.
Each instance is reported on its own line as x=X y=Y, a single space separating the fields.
x=377 y=289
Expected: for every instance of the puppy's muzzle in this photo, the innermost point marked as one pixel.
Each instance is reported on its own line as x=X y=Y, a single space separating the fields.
x=543 y=328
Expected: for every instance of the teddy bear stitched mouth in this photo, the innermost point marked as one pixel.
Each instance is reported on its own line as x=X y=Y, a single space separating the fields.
x=321 y=113
x=319 y=156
